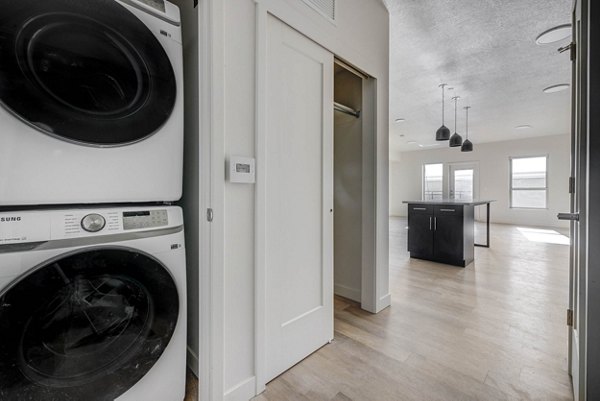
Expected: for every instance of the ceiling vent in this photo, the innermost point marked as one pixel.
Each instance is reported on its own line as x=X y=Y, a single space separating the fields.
x=325 y=7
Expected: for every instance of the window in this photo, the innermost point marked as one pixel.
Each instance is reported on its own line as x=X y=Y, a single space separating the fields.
x=529 y=182
x=433 y=175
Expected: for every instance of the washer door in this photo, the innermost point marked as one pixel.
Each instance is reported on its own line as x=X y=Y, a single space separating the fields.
x=87 y=326
x=88 y=71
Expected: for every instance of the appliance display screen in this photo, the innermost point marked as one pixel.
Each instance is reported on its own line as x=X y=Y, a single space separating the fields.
x=135 y=214
x=145 y=219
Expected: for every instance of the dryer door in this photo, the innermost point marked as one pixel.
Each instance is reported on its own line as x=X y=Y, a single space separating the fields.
x=88 y=72
x=86 y=326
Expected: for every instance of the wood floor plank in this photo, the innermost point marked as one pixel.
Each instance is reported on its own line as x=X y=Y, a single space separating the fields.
x=494 y=330
x=191 y=391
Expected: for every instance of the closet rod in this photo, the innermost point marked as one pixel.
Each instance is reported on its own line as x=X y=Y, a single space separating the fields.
x=345 y=109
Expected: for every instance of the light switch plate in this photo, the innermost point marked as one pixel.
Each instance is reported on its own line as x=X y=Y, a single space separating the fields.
x=241 y=170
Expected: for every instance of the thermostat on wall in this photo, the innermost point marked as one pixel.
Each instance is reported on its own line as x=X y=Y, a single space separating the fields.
x=242 y=170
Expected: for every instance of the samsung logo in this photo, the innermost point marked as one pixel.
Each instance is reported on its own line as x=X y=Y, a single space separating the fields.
x=7 y=219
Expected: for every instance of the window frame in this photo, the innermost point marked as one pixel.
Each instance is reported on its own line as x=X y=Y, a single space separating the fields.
x=510 y=182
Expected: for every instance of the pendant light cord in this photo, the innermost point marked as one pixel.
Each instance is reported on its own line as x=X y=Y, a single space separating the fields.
x=443 y=86
x=455 y=115
x=467 y=109
x=443 y=104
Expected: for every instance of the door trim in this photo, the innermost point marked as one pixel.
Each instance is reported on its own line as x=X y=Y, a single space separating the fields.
x=211 y=17
x=260 y=233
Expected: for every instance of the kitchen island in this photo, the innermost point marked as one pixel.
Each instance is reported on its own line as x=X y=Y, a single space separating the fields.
x=444 y=230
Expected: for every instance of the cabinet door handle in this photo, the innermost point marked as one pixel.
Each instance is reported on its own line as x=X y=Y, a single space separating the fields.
x=419 y=208
x=447 y=210
x=435 y=224
x=429 y=223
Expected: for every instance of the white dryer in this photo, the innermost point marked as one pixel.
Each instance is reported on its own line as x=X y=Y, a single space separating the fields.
x=93 y=305
x=91 y=101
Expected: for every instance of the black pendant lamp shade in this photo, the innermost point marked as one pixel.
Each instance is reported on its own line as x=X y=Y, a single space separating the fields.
x=467 y=145
x=443 y=133
x=455 y=139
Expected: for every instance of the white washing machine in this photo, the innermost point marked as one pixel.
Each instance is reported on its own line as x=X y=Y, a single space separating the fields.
x=93 y=305
x=91 y=101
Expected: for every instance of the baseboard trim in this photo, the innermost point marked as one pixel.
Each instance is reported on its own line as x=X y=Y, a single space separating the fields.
x=192 y=361
x=384 y=302
x=347 y=292
x=243 y=391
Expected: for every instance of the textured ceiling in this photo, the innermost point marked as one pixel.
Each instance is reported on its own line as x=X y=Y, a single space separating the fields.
x=486 y=51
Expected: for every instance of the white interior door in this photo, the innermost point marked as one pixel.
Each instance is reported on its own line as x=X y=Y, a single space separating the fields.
x=299 y=198
x=463 y=182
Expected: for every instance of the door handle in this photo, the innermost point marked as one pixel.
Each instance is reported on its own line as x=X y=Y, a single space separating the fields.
x=568 y=216
x=435 y=224
x=429 y=223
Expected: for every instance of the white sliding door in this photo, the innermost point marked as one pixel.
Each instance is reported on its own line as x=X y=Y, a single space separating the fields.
x=298 y=175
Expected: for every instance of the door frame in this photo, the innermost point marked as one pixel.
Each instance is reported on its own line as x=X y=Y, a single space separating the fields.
x=577 y=257
x=372 y=258
x=591 y=50
x=588 y=58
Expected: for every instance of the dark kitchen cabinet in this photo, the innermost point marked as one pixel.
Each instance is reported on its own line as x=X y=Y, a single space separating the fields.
x=441 y=233
x=420 y=236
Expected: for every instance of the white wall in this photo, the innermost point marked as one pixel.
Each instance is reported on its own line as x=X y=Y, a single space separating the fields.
x=493 y=159
x=360 y=35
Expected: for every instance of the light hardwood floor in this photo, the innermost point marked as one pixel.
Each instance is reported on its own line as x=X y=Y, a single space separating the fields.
x=494 y=330
x=191 y=391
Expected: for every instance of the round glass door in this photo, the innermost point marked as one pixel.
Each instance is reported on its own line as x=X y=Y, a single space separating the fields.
x=87 y=326
x=89 y=71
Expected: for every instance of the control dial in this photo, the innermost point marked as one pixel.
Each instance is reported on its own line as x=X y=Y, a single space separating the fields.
x=93 y=223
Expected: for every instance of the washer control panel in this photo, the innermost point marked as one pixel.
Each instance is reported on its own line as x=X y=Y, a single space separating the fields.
x=133 y=220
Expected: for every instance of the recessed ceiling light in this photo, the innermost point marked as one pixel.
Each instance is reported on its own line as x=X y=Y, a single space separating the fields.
x=554 y=34
x=523 y=127
x=400 y=120
x=556 y=88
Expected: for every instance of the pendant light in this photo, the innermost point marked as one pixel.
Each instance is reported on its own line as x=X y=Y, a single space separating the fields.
x=467 y=145
x=455 y=139
x=443 y=133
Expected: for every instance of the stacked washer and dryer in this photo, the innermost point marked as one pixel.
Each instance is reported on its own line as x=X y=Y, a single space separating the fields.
x=92 y=257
